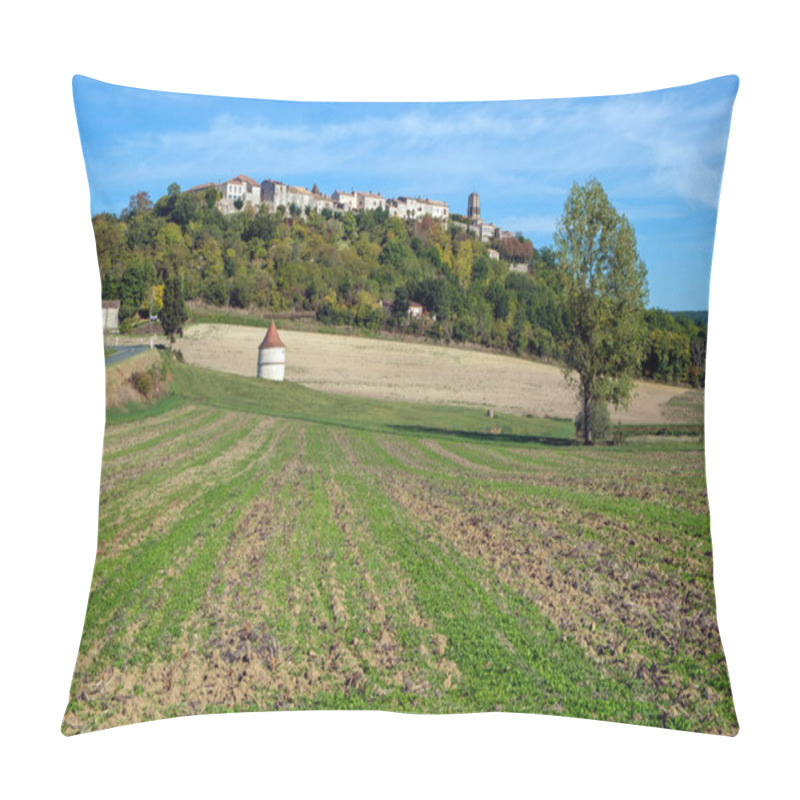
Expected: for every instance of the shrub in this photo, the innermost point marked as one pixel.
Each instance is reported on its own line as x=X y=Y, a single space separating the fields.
x=142 y=382
x=541 y=343
x=150 y=382
x=241 y=292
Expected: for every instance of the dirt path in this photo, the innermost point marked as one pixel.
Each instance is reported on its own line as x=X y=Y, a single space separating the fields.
x=398 y=370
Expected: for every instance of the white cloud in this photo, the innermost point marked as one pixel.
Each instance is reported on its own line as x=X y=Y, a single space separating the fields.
x=654 y=147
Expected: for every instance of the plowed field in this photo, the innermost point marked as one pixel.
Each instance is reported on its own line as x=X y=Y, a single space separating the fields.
x=263 y=546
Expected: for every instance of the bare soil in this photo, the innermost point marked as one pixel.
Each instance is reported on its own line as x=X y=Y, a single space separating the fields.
x=418 y=372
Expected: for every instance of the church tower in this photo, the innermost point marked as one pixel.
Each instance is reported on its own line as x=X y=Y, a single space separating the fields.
x=474 y=207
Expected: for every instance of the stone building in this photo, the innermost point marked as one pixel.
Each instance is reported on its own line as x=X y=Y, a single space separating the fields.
x=239 y=188
x=367 y=201
x=345 y=201
x=416 y=208
x=274 y=194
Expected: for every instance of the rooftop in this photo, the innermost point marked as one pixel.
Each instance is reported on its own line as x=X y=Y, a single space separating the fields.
x=272 y=339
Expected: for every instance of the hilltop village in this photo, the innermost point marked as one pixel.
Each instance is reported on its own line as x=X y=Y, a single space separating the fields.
x=355 y=259
x=240 y=192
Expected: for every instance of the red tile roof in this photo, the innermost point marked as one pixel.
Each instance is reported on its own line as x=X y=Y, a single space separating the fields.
x=201 y=186
x=272 y=339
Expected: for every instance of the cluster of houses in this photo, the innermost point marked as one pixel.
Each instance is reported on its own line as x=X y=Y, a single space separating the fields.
x=241 y=191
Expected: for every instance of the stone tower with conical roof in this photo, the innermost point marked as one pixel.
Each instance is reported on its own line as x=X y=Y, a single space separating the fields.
x=271 y=356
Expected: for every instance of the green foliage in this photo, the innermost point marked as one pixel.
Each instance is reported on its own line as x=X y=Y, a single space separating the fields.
x=142 y=382
x=151 y=382
x=134 y=284
x=605 y=293
x=676 y=348
x=173 y=313
x=439 y=294
x=333 y=312
x=126 y=311
x=415 y=510
x=668 y=358
x=542 y=343
x=464 y=329
x=401 y=304
x=241 y=291
x=273 y=262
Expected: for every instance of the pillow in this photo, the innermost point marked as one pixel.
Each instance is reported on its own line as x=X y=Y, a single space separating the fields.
x=404 y=407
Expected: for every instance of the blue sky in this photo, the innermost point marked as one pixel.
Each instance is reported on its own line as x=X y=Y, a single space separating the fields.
x=659 y=156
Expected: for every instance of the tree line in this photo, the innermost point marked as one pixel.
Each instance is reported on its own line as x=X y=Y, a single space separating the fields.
x=342 y=265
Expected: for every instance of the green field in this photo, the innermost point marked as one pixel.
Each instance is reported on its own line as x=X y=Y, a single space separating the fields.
x=265 y=546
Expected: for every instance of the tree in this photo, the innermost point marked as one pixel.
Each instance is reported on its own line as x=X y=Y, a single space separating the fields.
x=173 y=312
x=605 y=291
x=139 y=203
x=170 y=249
x=400 y=305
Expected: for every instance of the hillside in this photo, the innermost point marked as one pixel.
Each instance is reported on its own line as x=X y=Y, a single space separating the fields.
x=393 y=370
x=364 y=270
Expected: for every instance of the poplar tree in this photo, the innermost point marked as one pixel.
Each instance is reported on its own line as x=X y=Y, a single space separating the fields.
x=605 y=292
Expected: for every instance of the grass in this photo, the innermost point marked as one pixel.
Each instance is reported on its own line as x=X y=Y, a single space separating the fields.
x=265 y=546
x=290 y=400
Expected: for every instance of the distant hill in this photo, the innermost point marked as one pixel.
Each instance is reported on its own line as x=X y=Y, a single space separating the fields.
x=700 y=317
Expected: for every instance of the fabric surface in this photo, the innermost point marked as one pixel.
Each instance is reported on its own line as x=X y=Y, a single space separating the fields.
x=404 y=407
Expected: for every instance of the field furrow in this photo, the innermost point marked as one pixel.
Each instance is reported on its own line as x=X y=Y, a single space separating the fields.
x=264 y=547
x=633 y=594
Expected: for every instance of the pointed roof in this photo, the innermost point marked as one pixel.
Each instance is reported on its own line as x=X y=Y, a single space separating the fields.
x=272 y=339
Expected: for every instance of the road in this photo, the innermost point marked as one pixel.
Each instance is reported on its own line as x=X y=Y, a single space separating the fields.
x=123 y=352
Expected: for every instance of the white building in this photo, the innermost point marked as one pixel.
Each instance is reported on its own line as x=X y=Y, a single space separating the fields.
x=110 y=314
x=275 y=194
x=239 y=188
x=300 y=197
x=322 y=202
x=271 y=356
x=437 y=209
x=486 y=231
x=416 y=208
x=415 y=310
x=366 y=201
x=345 y=201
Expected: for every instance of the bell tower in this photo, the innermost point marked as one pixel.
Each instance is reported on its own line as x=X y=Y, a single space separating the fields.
x=474 y=207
